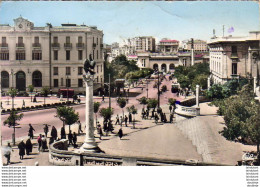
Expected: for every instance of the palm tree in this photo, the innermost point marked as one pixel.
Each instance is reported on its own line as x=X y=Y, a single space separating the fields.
x=12 y=121
x=122 y=103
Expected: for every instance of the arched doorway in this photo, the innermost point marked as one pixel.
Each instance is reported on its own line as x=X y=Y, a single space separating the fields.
x=4 y=79
x=37 y=79
x=20 y=81
x=171 y=66
x=164 y=67
x=155 y=66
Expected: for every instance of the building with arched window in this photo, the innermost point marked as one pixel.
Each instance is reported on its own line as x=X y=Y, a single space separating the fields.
x=48 y=56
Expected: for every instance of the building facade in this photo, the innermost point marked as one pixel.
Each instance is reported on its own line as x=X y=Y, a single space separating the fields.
x=168 y=46
x=48 y=56
x=142 y=44
x=234 y=57
x=198 y=46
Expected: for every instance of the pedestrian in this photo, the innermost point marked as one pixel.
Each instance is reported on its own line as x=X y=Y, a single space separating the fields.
x=153 y=111
x=28 y=146
x=70 y=137
x=164 y=118
x=21 y=147
x=54 y=133
x=75 y=98
x=170 y=108
x=121 y=121
x=120 y=133
x=103 y=98
x=39 y=140
x=46 y=130
x=100 y=132
x=117 y=119
x=147 y=114
x=44 y=143
x=110 y=126
x=80 y=130
x=30 y=132
x=62 y=133
x=171 y=118
x=74 y=138
x=34 y=99
x=126 y=118
x=7 y=153
x=130 y=117
x=143 y=114
x=105 y=127
x=23 y=104
x=156 y=117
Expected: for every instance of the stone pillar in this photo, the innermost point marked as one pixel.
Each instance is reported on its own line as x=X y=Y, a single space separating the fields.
x=89 y=143
x=197 y=95
x=192 y=57
x=208 y=83
x=255 y=82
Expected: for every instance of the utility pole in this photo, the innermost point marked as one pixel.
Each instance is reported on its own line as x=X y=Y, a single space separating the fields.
x=147 y=88
x=192 y=51
x=109 y=92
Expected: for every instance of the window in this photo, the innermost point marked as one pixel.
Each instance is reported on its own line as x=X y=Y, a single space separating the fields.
x=234 y=49
x=97 y=68
x=67 y=39
x=68 y=81
x=80 y=70
x=234 y=68
x=56 y=54
x=100 y=68
x=56 y=83
x=80 y=39
x=36 y=39
x=4 y=79
x=4 y=55
x=97 y=54
x=80 y=82
x=67 y=55
x=4 y=40
x=20 y=55
x=55 y=39
x=37 y=79
x=80 y=54
x=67 y=70
x=55 y=71
x=36 y=55
x=20 y=40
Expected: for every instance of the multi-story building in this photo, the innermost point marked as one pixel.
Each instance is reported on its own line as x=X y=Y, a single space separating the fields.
x=198 y=46
x=232 y=57
x=48 y=56
x=142 y=44
x=167 y=46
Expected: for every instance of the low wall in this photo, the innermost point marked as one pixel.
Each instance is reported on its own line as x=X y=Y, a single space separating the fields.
x=187 y=111
x=68 y=158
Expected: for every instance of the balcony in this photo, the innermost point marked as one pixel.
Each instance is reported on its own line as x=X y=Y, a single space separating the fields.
x=20 y=46
x=55 y=45
x=94 y=45
x=4 y=46
x=67 y=46
x=36 y=46
x=80 y=45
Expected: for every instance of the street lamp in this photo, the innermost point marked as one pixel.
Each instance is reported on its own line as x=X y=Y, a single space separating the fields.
x=146 y=88
x=158 y=86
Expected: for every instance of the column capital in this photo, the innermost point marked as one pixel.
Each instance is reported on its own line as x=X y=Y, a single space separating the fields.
x=89 y=79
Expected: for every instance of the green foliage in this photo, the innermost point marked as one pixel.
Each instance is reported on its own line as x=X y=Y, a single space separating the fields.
x=45 y=91
x=67 y=115
x=143 y=100
x=106 y=113
x=96 y=107
x=31 y=88
x=201 y=80
x=132 y=110
x=13 y=118
x=121 y=102
x=171 y=101
x=12 y=92
x=152 y=103
x=139 y=74
x=164 y=88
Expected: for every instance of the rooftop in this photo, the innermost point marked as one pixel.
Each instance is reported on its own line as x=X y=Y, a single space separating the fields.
x=176 y=41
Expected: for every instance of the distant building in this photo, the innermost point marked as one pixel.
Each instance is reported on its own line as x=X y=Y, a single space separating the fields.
x=232 y=57
x=167 y=46
x=142 y=44
x=198 y=46
x=48 y=56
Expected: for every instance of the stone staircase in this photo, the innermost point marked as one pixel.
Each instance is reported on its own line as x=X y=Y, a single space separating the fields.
x=194 y=129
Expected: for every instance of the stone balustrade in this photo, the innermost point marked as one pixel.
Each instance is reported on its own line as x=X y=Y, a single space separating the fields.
x=59 y=156
x=187 y=111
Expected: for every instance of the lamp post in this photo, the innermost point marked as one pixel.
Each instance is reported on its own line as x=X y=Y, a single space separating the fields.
x=146 y=88
x=158 y=87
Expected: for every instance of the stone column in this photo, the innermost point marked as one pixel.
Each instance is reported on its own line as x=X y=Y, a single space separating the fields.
x=89 y=143
x=208 y=83
x=192 y=57
x=255 y=82
x=197 y=95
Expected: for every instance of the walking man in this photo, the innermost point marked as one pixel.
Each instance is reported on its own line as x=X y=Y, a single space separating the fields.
x=39 y=140
x=126 y=118
x=31 y=129
x=103 y=98
x=46 y=130
x=74 y=138
x=70 y=137
x=120 y=133
x=23 y=104
x=21 y=147
x=80 y=130
x=7 y=153
x=117 y=119
x=54 y=133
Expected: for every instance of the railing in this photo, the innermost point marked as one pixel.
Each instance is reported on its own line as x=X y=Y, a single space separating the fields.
x=67 y=45
x=4 y=45
x=20 y=45
x=61 y=157
x=80 y=45
x=36 y=45
x=55 y=45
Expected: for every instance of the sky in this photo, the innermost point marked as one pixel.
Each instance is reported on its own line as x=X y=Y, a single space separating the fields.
x=122 y=20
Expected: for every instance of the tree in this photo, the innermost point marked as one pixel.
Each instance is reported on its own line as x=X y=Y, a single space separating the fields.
x=122 y=103
x=143 y=101
x=12 y=92
x=96 y=108
x=31 y=89
x=152 y=103
x=67 y=115
x=45 y=91
x=171 y=102
x=133 y=111
x=106 y=113
x=12 y=121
